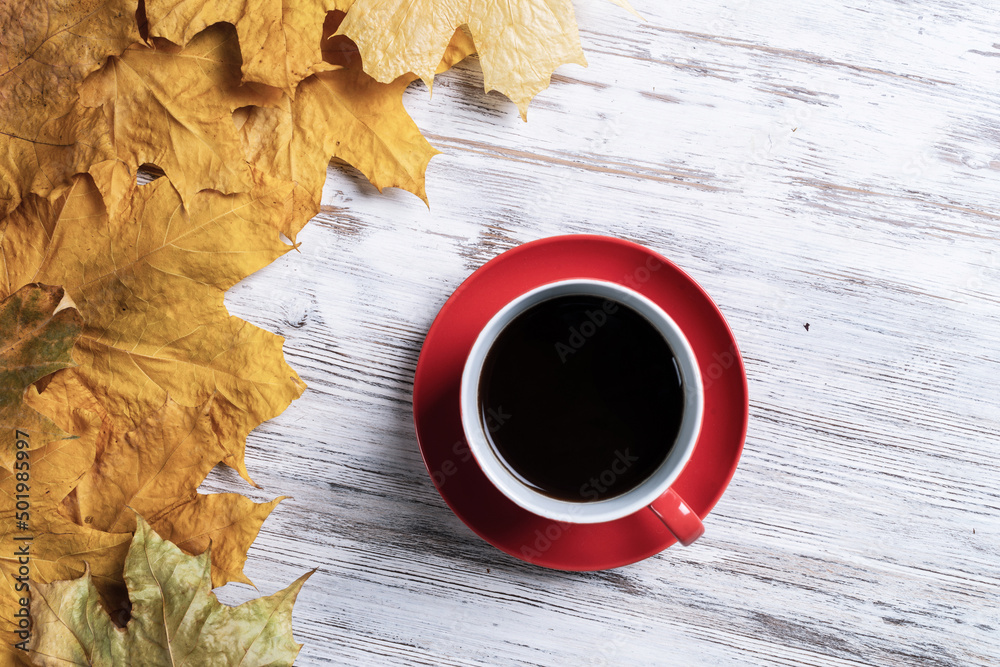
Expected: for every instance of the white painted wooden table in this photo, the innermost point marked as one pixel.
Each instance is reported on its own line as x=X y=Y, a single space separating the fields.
x=836 y=164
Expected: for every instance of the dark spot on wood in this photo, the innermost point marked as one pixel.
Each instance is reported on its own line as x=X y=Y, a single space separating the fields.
x=340 y=220
x=802 y=635
x=494 y=239
x=926 y=657
x=561 y=78
x=660 y=97
x=897 y=621
x=806 y=325
x=620 y=582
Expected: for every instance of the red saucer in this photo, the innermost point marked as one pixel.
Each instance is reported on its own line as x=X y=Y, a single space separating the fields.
x=439 y=427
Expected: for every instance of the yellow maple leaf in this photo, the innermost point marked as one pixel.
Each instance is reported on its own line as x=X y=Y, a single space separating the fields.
x=520 y=42
x=155 y=470
x=149 y=280
x=47 y=49
x=279 y=39
x=342 y=114
x=346 y=115
x=172 y=107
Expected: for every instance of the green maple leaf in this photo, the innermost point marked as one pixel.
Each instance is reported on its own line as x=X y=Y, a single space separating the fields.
x=38 y=328
x=176 y=619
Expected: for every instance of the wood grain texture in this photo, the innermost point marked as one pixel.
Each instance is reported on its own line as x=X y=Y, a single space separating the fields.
x=829 y=164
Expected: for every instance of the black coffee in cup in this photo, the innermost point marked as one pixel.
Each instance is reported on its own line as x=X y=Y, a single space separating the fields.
x=581 y=398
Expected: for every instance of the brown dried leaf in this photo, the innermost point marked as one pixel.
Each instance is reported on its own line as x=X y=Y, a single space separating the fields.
x=279 y=39
x=47 y=49
x=155 y=470
x=149 y=280
x=173 y=107
x=343 y=114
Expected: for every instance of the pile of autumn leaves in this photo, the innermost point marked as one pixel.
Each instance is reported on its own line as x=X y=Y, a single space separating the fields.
x=124 y=379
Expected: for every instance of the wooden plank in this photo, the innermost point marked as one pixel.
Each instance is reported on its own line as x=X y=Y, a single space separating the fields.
x=835 y=165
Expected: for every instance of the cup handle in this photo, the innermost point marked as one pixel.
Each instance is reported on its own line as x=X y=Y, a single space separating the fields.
x=679 y=519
